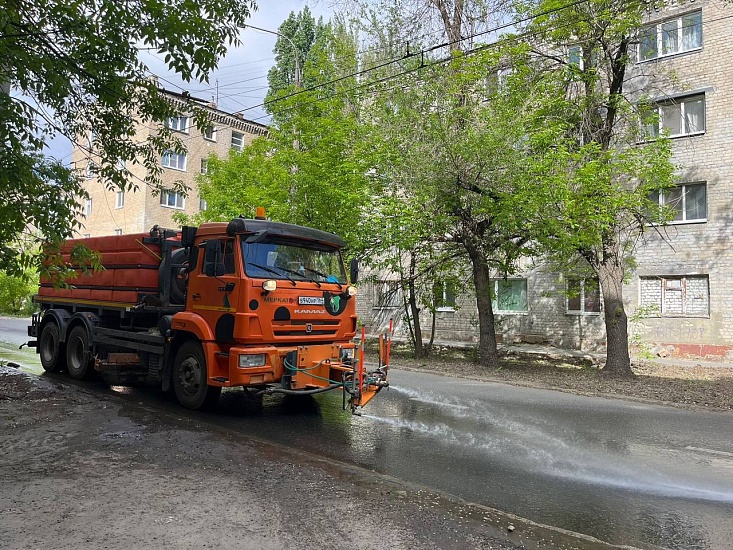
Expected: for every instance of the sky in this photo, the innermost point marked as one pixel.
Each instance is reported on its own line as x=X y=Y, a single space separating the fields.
x=240 y=82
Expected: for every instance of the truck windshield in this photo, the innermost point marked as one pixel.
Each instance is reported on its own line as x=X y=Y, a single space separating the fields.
x=293 y=260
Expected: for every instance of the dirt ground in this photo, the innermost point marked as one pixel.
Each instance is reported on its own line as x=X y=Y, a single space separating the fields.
x=84 y=469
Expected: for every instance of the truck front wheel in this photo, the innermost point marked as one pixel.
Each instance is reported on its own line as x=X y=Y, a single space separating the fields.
x=78 y=353
x=50 y=348
x=190 y=378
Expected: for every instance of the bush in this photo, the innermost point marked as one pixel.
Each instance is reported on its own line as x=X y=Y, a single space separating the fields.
x=16 y=293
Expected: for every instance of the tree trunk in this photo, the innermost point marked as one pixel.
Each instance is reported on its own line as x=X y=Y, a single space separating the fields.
x=611 y=279
x=415 y=317
x=488 y=354
x=414 y=313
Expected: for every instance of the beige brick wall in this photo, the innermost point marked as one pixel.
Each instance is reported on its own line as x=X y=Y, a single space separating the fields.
x=142 y=210
x=680 y=249
x=697 y=248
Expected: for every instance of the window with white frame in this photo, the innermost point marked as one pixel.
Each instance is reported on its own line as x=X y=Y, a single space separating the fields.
x=387 y=294
x=91 y=170
x=496 y=81
x=119 y=199
x=203 y=205
x=176 y=161
x=209 y=133
x=204 y=166
x=444 y=296
x=583 y=296
x=169 y=199
x=688 y=202
x=237 y=141
x=682 y=116
x=88 y=207
x=672 y=36
x=177 y=123
x=675 y=296
x=575 y=56
x=86 y=235
x=118 y=231
x=509 y=296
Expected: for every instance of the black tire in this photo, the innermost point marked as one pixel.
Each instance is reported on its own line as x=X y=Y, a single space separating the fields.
x=50 y=348
x=190 y=378
x=78 y=353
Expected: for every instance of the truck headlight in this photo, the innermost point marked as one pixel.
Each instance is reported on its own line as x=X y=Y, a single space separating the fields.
x=253 y=360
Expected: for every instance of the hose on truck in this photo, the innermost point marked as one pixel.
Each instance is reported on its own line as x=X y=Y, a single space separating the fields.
x=293 y=368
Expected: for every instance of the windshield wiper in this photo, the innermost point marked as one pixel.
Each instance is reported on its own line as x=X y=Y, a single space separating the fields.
x=269 y=270
x=299 y=274
x=325 y=277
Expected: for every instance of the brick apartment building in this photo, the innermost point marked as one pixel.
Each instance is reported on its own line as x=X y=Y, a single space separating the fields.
x=680 y=296
x=109 y=212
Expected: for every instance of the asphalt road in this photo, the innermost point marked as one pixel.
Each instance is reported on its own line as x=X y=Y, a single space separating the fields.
x=13 y=330
x=623 y=472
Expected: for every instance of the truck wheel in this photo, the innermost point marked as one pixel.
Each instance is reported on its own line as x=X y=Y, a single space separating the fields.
x=51 y=349
x=190 y=378
x=78 y=356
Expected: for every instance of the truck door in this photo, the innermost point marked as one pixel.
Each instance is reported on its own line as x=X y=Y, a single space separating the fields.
x=214 y=292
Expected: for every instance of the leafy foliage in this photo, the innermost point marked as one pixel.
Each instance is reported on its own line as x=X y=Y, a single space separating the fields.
x=312 y=168
x=604 y=168
x=73 y=70
x=16 y=292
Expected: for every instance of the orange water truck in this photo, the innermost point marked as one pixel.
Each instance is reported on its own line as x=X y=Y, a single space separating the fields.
x=253 y=303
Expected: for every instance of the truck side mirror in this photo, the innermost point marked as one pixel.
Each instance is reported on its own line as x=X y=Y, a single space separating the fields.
x=188 y=234
x=354 y=271
x=213 y=261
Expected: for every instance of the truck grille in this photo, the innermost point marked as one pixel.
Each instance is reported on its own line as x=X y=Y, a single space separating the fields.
x=319 y=327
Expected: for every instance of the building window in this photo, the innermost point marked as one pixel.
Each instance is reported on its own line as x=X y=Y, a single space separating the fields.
x=583 y=296
x=387 y=294
x=575 y=56
x=119 y=199
x=444 y=296
x=91 y=170
x=683 y=116
x=177 y=123
x=118 y=231
x=670 y=37
x=509 y=296
x=86 y=235
x=88 y=207
x=688 y=202
x=237 y=141
x=176 y=161
x=169 y=199
x=203 y=205
x=204 y=166
x=675 y=296
x=210 y=133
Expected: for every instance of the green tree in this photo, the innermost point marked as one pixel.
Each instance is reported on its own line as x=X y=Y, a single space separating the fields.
x=296 y=36
x=16 y=292
x=604 y=170
x=312 y=168
x=72 y=69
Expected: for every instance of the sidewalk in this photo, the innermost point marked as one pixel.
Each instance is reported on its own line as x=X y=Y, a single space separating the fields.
x=596 y=357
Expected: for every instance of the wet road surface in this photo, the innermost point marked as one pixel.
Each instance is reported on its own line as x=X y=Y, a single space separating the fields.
x=624 y=472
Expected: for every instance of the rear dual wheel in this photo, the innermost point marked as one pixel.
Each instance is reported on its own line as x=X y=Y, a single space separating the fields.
x=78 y=353
x=50 y=348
